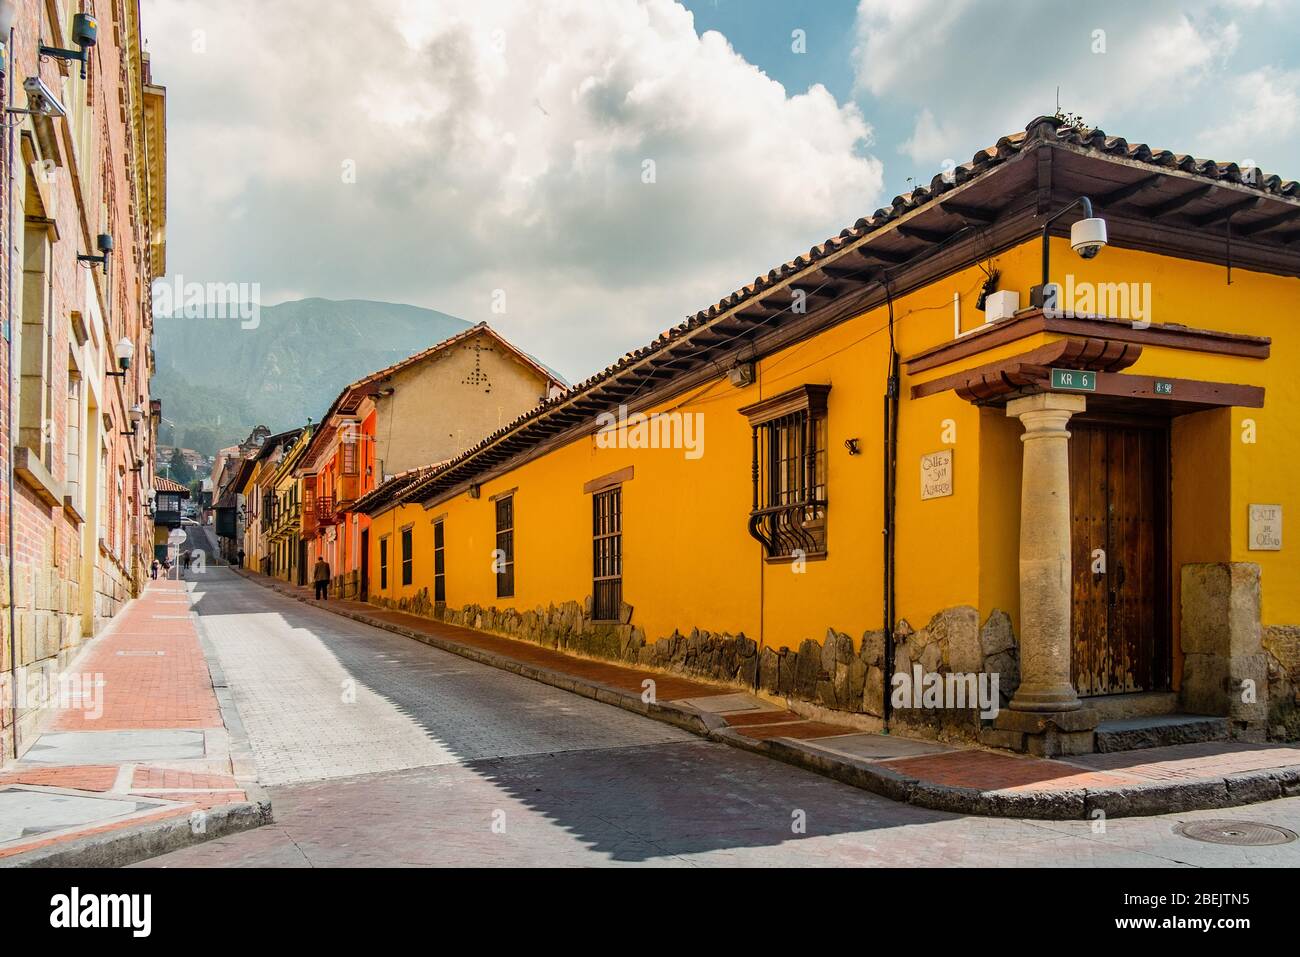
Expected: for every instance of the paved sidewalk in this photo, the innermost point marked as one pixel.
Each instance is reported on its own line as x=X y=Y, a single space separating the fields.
x=926 y=773
x=137 y=756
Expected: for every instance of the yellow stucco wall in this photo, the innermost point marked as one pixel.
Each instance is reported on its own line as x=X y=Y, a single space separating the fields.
x=689 y=562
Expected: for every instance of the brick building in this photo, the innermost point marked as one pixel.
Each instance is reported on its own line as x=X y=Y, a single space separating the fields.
x=82 y=167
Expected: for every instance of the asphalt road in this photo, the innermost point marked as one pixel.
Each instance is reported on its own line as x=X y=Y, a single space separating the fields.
x=378 y=750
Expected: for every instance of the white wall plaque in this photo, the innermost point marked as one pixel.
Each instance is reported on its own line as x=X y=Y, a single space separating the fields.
x=936 y=474
x=1265 y=528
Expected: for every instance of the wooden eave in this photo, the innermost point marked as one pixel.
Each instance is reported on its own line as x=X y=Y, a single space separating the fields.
x=986 y=211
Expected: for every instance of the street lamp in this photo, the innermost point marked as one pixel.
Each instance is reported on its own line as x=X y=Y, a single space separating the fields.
x=85 y=31
x=1087 y=237
x=104 y=243
x=125 y=350
x=136 y=414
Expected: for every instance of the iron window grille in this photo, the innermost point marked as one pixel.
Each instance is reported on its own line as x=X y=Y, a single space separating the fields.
x=505 y=547
x=788 y=512
x=383 y=562
x=607 y=554
x=439 y=563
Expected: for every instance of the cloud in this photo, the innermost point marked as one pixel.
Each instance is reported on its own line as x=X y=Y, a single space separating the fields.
x=495 y=146
x=968 y=72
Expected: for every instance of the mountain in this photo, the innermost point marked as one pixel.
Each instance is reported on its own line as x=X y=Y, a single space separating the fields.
x=217 y=380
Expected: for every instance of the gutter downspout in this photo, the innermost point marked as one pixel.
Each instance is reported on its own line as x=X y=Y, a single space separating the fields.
x=890 y=436
x=9 y=392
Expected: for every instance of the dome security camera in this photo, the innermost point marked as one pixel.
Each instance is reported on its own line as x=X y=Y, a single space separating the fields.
x=1088 y=236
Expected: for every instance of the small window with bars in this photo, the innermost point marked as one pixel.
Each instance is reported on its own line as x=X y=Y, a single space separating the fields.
x=505 y=551
x=788 y=513
x=383 y=562
x=408 y=559
x=439 y=562
x=607 y=554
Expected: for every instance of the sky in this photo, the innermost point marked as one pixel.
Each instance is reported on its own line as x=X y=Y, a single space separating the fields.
x=583 y=174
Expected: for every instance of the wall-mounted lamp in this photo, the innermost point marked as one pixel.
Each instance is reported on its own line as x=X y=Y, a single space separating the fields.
x=136 y=414
x=85 y=31
x=1087 y=236
x=105 y=244
x=125 y=350
x=852 y=446
x=475 y=491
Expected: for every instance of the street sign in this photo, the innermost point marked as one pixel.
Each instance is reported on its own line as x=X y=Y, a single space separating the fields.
x=1164 y=388
x=1074 y=380
x=175 y=536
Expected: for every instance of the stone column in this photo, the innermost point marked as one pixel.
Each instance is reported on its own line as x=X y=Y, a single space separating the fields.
x=1045 y=579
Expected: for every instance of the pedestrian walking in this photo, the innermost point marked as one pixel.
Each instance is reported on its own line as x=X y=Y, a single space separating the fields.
x=153 y=569
x=320 y=576
x=240 y=556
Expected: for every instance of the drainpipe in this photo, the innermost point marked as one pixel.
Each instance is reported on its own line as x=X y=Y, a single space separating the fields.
x=9 y=393
x=890 y=480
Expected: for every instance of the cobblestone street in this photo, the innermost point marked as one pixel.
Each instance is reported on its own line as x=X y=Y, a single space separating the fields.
x=379 y=750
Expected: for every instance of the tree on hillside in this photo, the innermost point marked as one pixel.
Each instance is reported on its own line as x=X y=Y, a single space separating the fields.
x=180 y=470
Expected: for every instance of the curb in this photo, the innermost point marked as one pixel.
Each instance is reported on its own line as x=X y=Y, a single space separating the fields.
x=129 y=845
x=1065 y=804
x=133 y=844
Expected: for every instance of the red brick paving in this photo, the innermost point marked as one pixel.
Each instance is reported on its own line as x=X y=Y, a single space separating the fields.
x=85 y=778
x=172 y=691
x=993 y=771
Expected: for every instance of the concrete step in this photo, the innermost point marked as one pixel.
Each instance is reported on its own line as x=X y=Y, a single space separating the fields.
x=1130 y=734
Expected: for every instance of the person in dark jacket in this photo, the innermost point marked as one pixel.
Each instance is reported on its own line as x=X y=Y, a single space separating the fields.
x=320 y=576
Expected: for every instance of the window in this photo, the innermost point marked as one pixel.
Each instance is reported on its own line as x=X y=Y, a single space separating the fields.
x=607 y=554
x=439 y=563
x=788 y=516
x=407 y=559
x=383 y=562
x=35 y=401
x=504 y=559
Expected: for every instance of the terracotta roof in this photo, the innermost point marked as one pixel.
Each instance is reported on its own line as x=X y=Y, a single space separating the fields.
x=161 y=484
x=552 y=377
x=1041 y=131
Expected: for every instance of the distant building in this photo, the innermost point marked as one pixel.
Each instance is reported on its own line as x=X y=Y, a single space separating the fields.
x=404 y=419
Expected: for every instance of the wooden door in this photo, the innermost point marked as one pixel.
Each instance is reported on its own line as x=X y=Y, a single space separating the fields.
x=1119 y=499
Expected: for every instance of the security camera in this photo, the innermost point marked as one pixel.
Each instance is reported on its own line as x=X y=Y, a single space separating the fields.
x=1087 y=236
x=41 y=99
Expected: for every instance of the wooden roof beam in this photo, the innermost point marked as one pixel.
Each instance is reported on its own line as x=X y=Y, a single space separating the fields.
x=1178 y=202
x=1227 y=212
x=1128 y=192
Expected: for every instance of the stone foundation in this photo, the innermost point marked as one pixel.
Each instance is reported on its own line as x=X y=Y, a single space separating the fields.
x=1223 y=662
x=1282 y=645
x=828 y=674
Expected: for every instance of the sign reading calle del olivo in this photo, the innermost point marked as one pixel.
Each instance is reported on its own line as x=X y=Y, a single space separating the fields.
x=1265 y=528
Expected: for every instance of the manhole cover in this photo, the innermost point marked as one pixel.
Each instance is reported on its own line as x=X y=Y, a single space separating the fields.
x=1242 y=833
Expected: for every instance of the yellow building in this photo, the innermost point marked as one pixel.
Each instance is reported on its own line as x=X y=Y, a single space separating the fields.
x=873 y=462
x=261 y=487
x=282 y=514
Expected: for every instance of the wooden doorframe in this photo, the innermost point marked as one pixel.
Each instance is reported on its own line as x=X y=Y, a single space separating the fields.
x=1163 y=651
